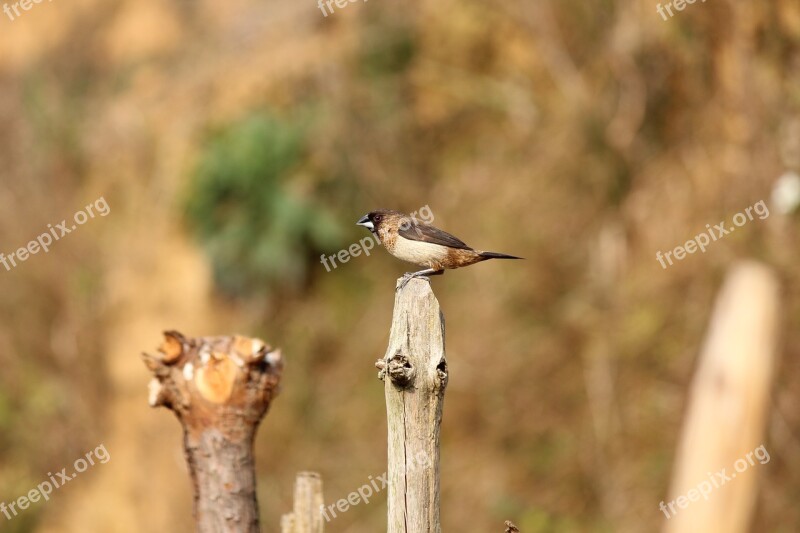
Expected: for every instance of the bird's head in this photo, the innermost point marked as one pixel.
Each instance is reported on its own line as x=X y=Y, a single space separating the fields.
x=373 y=220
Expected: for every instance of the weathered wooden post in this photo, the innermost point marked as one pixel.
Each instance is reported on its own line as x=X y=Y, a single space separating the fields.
x=414 y=372
x=306 y=516
x=219 y=388
x=728 y=408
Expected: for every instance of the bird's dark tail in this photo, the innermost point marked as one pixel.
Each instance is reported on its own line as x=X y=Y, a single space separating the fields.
x=495 y=255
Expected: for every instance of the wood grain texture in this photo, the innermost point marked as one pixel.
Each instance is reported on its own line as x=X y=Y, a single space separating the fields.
x=414 y=371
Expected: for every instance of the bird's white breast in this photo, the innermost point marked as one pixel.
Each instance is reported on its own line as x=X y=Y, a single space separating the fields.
x=417 y=252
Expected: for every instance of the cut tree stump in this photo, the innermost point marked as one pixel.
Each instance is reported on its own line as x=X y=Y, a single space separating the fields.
x=219 y=388
x=414 y=372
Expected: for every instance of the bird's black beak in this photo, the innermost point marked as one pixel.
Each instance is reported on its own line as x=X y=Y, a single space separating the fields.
x=366 y=222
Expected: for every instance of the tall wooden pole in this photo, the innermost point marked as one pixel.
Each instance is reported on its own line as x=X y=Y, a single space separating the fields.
x=414 y=371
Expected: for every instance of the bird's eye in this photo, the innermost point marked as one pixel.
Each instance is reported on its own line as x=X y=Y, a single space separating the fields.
x=378 y=218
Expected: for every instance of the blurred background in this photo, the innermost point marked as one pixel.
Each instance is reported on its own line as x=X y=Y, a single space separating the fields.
x=235 y=142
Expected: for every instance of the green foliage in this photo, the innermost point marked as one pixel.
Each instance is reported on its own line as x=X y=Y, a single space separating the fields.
x=388 y=50
x=256 y=228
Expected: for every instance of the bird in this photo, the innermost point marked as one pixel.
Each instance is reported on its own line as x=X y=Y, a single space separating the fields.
x=425 y=245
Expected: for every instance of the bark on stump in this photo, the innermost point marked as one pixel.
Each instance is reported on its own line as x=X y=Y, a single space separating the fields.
x=219 y=388
x=414 y=372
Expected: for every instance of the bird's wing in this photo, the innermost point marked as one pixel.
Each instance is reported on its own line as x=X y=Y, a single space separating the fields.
x=425 y=233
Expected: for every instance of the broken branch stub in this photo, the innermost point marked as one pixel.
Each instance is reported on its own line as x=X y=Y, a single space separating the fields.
x=219 y=388
x=306 y=516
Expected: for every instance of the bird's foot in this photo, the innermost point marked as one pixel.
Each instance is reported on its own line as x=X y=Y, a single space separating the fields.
x=408 y=276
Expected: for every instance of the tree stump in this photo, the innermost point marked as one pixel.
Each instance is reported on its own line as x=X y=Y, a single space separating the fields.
x=219 y=388
x=414 y=371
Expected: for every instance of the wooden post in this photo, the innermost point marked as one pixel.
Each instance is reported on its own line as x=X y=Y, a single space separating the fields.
x=219 y=388
x=414 y=372
x=306 y=517
x=728 y=408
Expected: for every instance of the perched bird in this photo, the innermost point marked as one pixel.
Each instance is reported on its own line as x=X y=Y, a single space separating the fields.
x=422 y=244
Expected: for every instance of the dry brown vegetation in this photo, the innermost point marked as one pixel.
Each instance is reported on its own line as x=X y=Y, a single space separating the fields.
x=237 y=141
